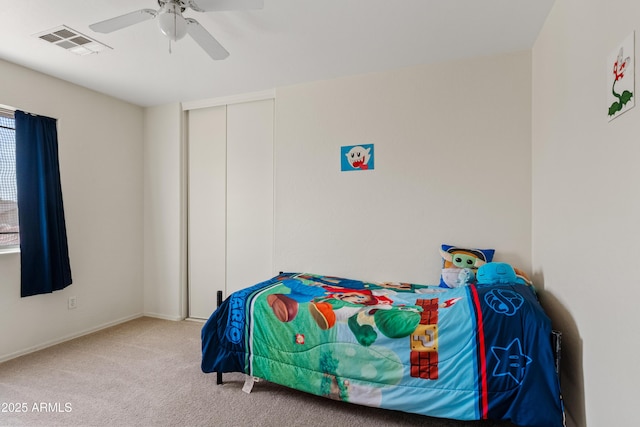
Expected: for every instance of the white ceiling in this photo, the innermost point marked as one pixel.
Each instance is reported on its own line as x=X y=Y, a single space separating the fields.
x=287 y=42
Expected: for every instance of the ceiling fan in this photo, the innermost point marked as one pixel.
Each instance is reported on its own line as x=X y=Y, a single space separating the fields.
x=175 y=26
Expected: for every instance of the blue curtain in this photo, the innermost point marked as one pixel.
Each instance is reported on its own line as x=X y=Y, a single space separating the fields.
x=44 y=252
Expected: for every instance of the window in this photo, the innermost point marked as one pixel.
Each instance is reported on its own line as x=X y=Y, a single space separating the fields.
x=9 y=228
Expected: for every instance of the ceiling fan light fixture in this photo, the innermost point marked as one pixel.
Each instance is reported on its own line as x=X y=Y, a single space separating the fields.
x=171 y=22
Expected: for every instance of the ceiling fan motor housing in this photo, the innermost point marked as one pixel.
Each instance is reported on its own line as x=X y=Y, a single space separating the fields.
x=180 y=3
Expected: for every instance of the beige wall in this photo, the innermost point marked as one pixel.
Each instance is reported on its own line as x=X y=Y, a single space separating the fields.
x=164 y=213
x=453 y=165
x=100 y=152
x=586 y=183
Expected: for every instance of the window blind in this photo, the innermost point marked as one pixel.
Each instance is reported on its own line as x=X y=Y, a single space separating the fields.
x=9 y=229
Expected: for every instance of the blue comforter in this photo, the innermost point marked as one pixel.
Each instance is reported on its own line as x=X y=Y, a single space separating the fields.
x=466 y=353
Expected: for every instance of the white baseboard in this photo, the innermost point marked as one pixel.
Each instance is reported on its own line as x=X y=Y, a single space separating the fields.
x=164 y=316
x=4 y=358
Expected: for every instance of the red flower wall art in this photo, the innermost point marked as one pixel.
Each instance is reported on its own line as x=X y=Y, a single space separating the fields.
x=621 y=72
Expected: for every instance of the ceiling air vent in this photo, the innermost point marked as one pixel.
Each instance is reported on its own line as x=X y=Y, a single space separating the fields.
x=72 y=41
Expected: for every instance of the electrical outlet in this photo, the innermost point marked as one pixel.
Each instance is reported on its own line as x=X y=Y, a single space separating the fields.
x=73 y=303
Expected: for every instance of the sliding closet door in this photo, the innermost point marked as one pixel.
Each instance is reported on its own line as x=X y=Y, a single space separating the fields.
x=230 y=201
x=207 y=216
x=249 y=193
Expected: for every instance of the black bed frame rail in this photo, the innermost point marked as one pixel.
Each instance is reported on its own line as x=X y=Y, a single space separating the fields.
x=219 y=302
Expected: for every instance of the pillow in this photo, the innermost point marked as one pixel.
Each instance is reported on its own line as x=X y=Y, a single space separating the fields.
x=458 y=259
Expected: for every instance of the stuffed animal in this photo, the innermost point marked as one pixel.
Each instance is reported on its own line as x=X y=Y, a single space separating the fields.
x=465 y=277
x=522 y=278
x=496 y=273
x=456 y=259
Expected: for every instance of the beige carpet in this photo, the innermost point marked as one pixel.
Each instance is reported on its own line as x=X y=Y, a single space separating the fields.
x=147 y=373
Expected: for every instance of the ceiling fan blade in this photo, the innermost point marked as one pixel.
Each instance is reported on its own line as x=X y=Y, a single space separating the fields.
x=126 y=20
x=205 y=40
x=222 y=5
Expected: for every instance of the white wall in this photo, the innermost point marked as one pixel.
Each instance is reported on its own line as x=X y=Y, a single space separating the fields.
x=586 y=183
x=100 y=152
x=453 y=165
x=164 y=210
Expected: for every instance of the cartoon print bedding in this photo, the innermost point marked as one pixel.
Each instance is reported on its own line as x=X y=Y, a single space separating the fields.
x=475 y=352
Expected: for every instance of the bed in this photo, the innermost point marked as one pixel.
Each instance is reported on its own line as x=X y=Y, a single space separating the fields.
x=467 y=353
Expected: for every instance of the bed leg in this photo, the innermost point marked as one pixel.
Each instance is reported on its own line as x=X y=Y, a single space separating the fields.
x=219 y=302
x=219 y=298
